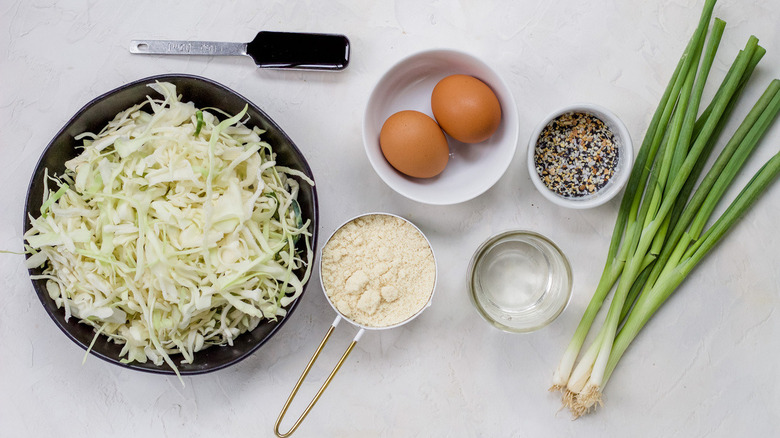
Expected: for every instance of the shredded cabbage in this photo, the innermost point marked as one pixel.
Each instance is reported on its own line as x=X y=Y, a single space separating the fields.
x=172 y=231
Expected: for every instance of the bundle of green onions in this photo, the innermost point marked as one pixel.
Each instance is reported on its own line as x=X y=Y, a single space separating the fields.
x=660 y=235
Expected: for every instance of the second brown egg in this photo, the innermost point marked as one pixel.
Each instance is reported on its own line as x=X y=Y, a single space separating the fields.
x=466 y=108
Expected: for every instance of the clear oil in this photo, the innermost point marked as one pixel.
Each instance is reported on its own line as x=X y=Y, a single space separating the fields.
x=515 y=277
x=520 y=281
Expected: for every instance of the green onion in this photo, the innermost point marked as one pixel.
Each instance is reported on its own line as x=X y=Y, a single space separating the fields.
x=659 y=233
x=615 y=261
x=649 y=302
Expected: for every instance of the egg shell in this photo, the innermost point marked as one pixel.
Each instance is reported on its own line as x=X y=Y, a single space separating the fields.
x=466 y=108
x=414 y=144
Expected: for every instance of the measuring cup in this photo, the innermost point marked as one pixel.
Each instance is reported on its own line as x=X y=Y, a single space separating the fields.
x=362 y=328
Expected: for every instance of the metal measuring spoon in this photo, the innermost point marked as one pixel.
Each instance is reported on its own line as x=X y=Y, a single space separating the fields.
x=281 y=50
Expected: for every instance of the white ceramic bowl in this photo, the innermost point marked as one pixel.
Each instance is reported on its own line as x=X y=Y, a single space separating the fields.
x=472 y=168
x=622 y=172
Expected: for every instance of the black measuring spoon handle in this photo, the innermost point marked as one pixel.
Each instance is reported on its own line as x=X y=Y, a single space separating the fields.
x=306 y=51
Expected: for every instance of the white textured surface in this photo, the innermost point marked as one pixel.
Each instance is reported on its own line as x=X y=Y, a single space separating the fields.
x=707 y=365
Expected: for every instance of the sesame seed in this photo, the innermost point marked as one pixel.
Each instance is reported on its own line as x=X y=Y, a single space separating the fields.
x=576 y=155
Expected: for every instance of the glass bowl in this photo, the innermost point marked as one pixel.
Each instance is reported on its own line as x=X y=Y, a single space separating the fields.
x=519 y=281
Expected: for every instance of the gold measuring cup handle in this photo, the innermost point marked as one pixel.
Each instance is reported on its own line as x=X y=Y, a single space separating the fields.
x=306 y=372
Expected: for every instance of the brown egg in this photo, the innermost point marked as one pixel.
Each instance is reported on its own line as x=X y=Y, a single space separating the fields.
x=466 y=108
x=414 y=144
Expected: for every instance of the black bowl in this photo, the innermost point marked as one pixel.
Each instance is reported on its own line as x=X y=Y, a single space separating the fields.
x=93 y=117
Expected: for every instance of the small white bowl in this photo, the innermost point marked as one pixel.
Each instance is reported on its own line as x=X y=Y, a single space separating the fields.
x=622 y=172
x=472 y=168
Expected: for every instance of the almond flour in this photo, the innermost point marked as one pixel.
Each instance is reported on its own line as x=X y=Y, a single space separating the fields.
x=378 y=270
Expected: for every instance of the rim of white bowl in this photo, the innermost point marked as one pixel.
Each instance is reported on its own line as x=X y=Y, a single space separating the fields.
x=614 y=186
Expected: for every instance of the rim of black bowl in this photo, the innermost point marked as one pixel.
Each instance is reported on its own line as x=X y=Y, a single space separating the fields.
x=232 y=354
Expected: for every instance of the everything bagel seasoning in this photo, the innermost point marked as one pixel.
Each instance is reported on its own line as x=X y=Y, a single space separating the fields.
x=576 y=155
